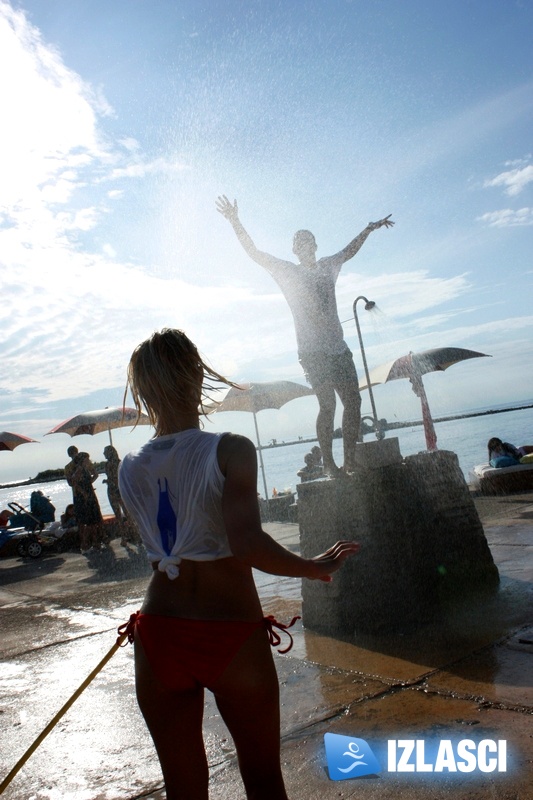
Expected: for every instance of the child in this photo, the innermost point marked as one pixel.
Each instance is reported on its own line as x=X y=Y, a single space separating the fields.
x=193 y=496
x=68 y=518
x=502 y=454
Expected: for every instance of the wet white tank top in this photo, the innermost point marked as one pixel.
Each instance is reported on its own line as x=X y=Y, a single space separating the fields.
x=172 y=487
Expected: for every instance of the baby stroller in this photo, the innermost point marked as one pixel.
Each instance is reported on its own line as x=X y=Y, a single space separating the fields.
x=21 y=532
x=49 y=535
x=17 y=541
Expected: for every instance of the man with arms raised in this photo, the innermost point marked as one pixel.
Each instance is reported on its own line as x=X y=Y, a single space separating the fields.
x=309 y=288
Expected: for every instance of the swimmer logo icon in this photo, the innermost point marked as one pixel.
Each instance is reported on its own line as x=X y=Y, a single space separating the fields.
x=349 y=757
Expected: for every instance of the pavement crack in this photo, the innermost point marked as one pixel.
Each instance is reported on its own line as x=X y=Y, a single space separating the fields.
x=481 y=701
x=343 y=711
x=148 y=792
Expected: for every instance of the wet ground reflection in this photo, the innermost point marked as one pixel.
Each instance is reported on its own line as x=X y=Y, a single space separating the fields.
x=459 y=680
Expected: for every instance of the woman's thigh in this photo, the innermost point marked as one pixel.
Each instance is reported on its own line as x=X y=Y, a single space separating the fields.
x=247 y=695
x=174 y=719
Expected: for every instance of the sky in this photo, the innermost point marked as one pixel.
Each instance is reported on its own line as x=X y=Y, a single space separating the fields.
x=122 y=123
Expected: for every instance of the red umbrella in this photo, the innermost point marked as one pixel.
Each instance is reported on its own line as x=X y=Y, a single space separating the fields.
x=413 y=366
x=8 y=441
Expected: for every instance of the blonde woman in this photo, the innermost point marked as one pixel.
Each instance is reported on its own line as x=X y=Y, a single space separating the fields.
x=193 y=495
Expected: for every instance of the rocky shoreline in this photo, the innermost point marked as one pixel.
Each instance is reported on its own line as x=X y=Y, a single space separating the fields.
x=30 y=481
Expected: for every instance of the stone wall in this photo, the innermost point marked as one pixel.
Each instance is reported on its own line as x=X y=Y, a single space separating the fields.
x=423 y=547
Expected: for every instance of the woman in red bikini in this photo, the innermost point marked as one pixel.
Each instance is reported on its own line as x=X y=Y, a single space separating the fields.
x=193 y=495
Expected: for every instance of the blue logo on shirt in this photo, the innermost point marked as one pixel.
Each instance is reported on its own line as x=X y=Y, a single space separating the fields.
x=166 y=519
x=348 y=757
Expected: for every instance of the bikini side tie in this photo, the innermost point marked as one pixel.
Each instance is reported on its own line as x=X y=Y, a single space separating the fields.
x=274 y=637
x=128 y=630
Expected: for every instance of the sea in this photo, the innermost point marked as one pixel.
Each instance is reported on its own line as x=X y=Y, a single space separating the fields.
x=467 y=437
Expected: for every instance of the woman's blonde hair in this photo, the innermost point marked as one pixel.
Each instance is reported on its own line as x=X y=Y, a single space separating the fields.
x=166 y=374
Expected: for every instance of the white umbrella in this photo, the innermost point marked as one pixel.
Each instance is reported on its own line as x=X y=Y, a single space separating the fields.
x=92 y=422
x=413 y=366
x=255 y=397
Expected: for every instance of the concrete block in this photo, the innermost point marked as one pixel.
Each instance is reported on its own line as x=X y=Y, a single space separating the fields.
x=373 y=455
x=422 y=544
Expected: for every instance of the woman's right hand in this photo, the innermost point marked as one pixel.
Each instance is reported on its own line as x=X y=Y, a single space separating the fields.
x=332 y=560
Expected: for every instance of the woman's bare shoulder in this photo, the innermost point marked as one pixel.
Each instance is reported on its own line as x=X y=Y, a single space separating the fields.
x=234 y=446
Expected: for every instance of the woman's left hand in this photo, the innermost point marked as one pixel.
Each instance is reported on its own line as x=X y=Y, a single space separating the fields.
x=333 y=559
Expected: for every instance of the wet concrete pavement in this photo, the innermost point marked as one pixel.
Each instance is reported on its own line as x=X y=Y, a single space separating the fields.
x=466 y=677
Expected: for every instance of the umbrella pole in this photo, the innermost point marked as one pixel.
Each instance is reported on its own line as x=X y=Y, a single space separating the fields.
x=418 y=387
x=261 y=457
x=429 y=427
x=110 y=437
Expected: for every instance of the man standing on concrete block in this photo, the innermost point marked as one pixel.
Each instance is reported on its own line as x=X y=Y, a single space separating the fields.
x=309 y=288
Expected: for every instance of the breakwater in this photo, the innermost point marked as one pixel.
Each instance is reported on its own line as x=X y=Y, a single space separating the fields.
x=393 y=426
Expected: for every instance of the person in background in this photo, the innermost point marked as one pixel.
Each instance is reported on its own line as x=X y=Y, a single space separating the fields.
x=123 y=522
x=316 y=452
x=72 y=452
x=5 y=516
x=41 y=507
x=86 y=506
x=502 y=454
x=311 y=471
x=67 y=528
x=193 y=495
x=68 y=518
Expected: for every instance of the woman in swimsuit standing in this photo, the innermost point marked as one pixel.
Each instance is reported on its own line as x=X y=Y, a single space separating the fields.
x=193 y=495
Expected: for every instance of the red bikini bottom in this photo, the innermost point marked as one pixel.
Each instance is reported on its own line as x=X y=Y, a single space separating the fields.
x=187 y=653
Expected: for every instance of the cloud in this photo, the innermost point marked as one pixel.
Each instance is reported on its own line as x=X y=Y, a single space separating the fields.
x=130 y=143
x=514 y=180
x=519 y=162
x=52 y=134
x=72 y=310
x=141 y=169
x=54 y=151
x=82 y=309
x=76 y=314
x=508 y=217
x=402 y=294
x=109 y=251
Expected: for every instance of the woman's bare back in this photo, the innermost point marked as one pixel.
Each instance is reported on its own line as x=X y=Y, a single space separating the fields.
x=221 y=589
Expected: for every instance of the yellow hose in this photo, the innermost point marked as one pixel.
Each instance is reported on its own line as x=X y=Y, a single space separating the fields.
x=20 y=763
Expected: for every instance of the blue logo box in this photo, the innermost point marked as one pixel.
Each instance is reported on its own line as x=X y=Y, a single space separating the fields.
x=349 y=757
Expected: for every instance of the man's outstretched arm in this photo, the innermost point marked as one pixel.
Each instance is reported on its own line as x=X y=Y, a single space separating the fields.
x=231 y=212
x=355 y=245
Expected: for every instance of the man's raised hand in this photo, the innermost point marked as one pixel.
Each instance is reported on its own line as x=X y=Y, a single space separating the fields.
x=224 y=207
x=382 y=223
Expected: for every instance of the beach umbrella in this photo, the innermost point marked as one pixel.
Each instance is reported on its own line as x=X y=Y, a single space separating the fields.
x=255 y=397
x=413 y=366
x=105 y=419
x=8 y=441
